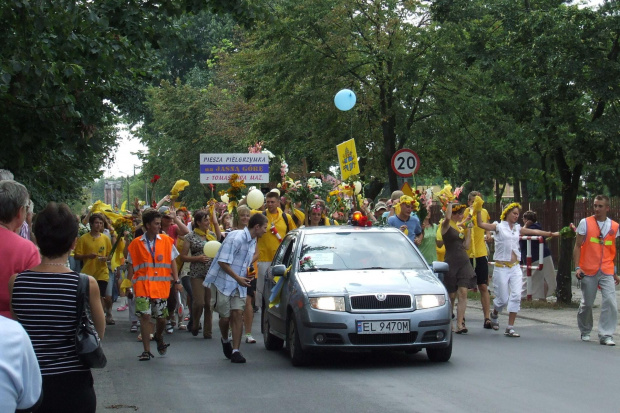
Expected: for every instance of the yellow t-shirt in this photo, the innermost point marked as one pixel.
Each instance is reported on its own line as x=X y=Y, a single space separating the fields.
x=102 y=246
x=441 y=252
x=268 y=243
x=478 y=247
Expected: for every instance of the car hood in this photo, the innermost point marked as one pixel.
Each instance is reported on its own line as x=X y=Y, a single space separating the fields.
x=370 y=281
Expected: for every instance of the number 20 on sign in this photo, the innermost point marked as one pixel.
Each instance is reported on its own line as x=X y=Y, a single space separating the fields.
x=405 y=163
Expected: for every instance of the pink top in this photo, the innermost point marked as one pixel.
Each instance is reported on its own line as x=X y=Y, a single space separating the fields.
x=18 y=255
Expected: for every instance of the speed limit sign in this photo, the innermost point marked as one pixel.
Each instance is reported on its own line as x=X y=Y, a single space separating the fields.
x=405 y=163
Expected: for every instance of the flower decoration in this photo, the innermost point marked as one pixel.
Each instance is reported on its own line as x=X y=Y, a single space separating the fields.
x=509 y=208
x=406 y=199
x=256 y=148
x=306 y=263
x=569 y=231
x=283 y=168
x=234 y=193
x=154 y=180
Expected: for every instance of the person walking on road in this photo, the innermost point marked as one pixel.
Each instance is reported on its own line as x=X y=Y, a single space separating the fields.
x=461 y=275
x=151 y=264
x=478 y=257
x=93 y=249
x=594 y=254
x=507 y=276
x=279 y=223
x=228 y=282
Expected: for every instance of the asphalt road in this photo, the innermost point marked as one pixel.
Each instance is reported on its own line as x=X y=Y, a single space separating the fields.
x=547 y=369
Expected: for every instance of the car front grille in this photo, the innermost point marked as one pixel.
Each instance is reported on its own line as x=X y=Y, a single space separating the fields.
x=371 y=302
x=369 y=339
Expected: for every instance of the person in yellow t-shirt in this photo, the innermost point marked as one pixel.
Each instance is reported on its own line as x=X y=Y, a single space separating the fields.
x=439 y=247
x=279 y=223
x=478 y=257
x=93 y=249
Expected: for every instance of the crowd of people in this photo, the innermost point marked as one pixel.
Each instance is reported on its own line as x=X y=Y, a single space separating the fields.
x=165 y=268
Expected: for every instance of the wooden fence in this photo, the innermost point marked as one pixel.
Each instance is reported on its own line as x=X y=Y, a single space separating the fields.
x=549 y=214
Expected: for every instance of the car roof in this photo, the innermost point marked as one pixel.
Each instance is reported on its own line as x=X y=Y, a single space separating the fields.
x=343 y=228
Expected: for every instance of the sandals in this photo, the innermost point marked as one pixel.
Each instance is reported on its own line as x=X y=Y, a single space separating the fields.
x=462 y=330
x=495 y=322
x=487 y=324
x=169 y=328
x=162 y=347
x=145 y=356
x=510 y=332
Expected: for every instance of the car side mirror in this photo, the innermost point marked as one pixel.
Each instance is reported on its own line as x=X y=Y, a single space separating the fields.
x=440 y=268
x=278 y=270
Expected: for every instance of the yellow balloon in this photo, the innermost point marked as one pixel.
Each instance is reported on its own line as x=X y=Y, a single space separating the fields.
x=255 y=199
x=210 y=249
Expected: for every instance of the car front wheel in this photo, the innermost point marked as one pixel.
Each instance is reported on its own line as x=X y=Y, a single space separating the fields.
x=293 y=344
x=440 y=354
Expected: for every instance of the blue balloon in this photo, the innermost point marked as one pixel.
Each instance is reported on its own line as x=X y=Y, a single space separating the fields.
x=345 y=99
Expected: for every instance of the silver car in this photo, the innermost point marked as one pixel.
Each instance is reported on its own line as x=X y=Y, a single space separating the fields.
x=346 y=287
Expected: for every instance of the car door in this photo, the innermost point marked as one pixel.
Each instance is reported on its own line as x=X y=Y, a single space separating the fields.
x=284 y=256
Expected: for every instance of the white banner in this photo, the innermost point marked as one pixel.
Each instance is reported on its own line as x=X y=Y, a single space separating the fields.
x=216 y=168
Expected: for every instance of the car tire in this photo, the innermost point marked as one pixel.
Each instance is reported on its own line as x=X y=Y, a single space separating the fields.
x=293 y=344
x=272 y=343
x=440 y=355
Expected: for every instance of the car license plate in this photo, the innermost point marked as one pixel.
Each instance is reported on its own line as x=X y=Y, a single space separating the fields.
x=383 y=327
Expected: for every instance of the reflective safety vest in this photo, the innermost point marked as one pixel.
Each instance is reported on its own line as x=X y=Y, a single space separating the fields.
x=152 y=272
x=598 y=251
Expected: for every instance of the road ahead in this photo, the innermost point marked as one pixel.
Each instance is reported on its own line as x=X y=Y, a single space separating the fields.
x=547 y=369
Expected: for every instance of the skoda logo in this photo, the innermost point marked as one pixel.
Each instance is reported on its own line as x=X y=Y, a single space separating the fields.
x=381 y=297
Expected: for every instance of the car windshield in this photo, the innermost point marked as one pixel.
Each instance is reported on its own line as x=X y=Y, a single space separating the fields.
x=357 y=250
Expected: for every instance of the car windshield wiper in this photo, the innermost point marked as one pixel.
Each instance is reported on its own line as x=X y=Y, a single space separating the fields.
x=373 y=268
x=318 y=269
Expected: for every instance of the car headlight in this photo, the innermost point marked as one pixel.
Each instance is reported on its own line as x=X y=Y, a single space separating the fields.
x=429 y=300
x=327 y=303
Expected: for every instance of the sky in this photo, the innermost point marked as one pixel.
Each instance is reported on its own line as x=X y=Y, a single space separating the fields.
x=125 y=159
x=128 y=144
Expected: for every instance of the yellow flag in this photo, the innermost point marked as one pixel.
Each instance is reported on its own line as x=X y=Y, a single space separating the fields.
x=347 y=156
x=178 y=187
x=124 y=206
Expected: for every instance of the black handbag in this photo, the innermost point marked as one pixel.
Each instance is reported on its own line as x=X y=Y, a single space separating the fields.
x=87 y=341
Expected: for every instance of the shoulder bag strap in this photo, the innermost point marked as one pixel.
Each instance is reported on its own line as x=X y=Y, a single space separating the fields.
x=82 y=289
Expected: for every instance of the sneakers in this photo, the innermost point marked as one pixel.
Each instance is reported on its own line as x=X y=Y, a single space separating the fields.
x=123 y=307
x=607 y=341
x=249 y=339
x=227 y=348
x=169 y=328
x=134 y=328
x=585 y=337
x=237 y=357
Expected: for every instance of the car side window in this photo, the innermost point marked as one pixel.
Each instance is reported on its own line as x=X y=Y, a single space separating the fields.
x=279 y=257
x=288 y=255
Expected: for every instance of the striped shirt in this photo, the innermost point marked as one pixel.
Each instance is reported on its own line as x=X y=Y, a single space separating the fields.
x=237 y=250
x=46 y=306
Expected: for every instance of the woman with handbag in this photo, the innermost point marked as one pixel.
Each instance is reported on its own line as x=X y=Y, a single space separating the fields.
x=45 y=301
